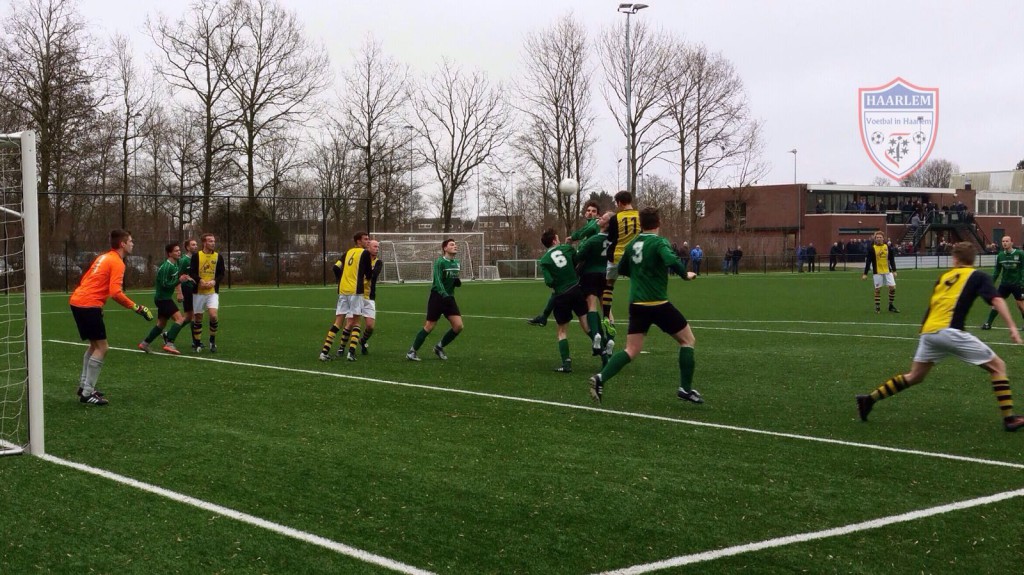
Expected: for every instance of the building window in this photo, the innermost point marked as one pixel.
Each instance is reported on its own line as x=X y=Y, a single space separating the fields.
x=426 y=226
x=735 y=215
x=503 y=224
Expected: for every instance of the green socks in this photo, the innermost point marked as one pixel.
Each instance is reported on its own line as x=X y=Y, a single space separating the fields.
x=686 y=367
x=420 y=338
x=448 y=337
x=615 y=364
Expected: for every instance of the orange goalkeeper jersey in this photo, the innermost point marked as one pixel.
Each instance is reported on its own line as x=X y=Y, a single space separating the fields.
x=103 y=279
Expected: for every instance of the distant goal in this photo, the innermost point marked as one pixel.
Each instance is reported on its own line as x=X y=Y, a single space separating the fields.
x=409 y=257
x=21 y=372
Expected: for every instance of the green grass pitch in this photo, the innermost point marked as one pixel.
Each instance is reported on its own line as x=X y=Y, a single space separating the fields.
x=492 y=463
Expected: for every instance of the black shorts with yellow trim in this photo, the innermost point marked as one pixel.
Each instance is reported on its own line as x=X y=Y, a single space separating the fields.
x=663 y=314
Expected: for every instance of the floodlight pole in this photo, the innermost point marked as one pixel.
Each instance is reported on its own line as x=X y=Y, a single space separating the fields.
x=629 y=9
x=799 y=211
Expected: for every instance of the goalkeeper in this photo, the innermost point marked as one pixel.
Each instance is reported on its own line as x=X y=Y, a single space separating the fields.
x=103 y=279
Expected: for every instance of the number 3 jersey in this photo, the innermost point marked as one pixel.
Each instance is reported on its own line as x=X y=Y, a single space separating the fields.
x=646 y=261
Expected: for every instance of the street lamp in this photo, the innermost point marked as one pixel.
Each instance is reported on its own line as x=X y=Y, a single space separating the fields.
x=798 y=209
x=408 y=149
x=618 y=175
x=629 y=9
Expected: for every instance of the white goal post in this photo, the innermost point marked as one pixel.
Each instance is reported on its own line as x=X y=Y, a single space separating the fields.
x=410 y=257
x=21 y=377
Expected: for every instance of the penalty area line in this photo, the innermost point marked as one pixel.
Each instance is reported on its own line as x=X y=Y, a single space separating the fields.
x=575 y=406
x=815 y=535
x=303 y=536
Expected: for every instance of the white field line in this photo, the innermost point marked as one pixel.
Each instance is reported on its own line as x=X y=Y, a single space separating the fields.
x=580 y=408
x=697 y=323
x=824 y=534
x=303 y=536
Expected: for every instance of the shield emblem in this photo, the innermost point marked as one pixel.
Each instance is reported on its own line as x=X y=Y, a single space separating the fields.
x=898 y=123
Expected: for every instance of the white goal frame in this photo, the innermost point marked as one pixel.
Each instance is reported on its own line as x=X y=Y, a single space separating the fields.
x=35 y=444
x=410 y=256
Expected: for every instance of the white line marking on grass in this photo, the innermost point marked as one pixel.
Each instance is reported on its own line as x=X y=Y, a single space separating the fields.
x=303 y=536
x=580 y=407
x=812 y=536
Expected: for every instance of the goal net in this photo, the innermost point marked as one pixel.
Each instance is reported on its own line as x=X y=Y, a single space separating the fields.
x=21 y=376
x=410 y=257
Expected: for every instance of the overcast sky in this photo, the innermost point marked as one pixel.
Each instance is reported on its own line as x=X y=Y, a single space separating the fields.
x=802 y=62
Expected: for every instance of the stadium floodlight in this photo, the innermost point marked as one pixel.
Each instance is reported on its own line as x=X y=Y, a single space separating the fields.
x=629 y=9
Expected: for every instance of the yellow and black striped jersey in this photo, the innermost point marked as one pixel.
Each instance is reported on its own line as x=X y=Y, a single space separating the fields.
x=952 y=297
x=621 y=230
x=352 y=270
x=879 y=260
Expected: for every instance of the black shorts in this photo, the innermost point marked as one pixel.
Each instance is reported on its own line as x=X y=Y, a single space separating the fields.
x=1010 y=289
x=665 y=316
x=90 y=322
x=568 y=303
x=593 y=284
x=438 y=306
x=166 y=308
x=186 y=298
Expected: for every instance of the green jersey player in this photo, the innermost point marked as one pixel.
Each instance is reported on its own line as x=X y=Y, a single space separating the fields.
x=646 y=260
x=590 y=211
x=167 y=279
x=1009 y=264
x=441 y=301
x=559 y=267
x=592 y=258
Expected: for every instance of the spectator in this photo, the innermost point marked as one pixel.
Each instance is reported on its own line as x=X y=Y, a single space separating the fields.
x=736 y=255
x=800 y=259
x=820 y=208
x=684 y=255
x=811 y=254
x=727 y=260
x=696 y=257
x=833 y=256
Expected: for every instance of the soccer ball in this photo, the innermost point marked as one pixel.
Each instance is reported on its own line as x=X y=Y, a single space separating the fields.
x=568 y=187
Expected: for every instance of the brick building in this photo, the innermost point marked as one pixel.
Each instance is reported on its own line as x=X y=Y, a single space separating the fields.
x=774 y=219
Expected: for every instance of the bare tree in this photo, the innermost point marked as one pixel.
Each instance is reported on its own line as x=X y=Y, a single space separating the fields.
x=183 y=160
x=709 y=119
x=881 y=181
x=555 y=98
x=376 y=96
x=932 y=174
x=51 y=72
x=194 y=56
x=644 y=63
x=276 y=74
x=462 y=120
x=134 y=98
x=334 y=176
